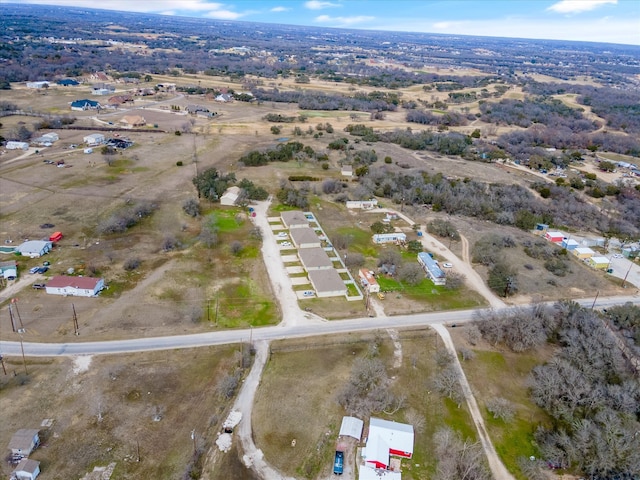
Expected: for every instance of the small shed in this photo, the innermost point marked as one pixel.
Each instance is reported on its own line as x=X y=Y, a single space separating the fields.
x=27 y=469
x=347 y=171
x=555 y=237
x=351 y=427
x=9 y=270
x=583 y=252
x=569 y=244
x=599 y=263
x=24 y=441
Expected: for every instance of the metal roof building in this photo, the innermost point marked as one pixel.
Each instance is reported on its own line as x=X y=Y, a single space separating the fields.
x=432 y=269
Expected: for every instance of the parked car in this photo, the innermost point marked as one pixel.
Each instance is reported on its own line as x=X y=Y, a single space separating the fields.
x=381 y=295
x=617 y=255
x=282 y=235
x=338 y=463
x=285 y=244
x=42 y=269
x=447 y=265
x=34 y=270
x=39 y=286
x=308 y=293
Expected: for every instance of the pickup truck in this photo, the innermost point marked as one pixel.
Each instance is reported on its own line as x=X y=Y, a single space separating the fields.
x=338 y=463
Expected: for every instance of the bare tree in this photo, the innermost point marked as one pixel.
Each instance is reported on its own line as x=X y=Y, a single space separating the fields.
x=458 y=459
x=447 y=383
x=501 y=408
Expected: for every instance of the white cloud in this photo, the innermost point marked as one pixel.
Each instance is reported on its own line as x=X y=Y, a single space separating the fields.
x=280 y=9
x=579 y=6
x=157 y=6
x=319 y=5
x=344 y=21
x=224 y=15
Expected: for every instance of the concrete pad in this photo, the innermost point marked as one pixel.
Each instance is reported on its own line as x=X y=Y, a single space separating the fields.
x=299 y=281
x=292 y=270
x=290 y=258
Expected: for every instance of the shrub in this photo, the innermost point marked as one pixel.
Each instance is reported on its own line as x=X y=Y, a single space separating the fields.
x=132 y=264
x=179 y=163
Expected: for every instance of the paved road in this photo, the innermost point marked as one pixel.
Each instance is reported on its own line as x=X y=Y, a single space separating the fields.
x=294 y=330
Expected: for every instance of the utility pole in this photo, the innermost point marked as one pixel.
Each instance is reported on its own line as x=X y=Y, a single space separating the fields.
x=208 y=311
x=624 y=280
x=13 y=322
x=15 y=303
x=193 y=437
x=76 y=328
x=2 y=362
x=24 y=360
x=138 y=450
x=217 y=310
x=594 y=300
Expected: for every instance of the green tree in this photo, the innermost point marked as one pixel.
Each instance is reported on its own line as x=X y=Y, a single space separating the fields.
x=414 y=246
x=503 y=279
x=607 y=166
x=211 y=185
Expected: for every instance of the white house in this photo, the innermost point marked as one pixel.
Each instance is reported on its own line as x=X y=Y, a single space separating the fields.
x=368 y=281
x=387 y=438
x=38 y=85
x=230 y=196
x=394 y=237
x=51 y=136
x=27 y=469
x=363 y=204
x=24 y=441
x=75 y=286
x=13 y=145
x=347 y=171
x=94 y=139
x=34 y=248
x=431 y=268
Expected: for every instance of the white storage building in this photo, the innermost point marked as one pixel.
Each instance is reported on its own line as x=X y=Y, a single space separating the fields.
x=75 y=286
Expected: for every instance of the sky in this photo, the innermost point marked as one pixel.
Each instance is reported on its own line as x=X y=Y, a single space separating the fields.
x=612 y=21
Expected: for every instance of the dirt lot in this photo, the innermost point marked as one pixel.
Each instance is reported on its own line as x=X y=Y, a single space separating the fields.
x=102 y=410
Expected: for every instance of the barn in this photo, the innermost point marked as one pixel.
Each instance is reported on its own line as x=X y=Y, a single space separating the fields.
x=387 y=438
x=75 y=286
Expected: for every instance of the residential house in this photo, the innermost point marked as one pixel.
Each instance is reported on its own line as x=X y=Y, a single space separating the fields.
x=38 y=85
x=27 y=469
x=117 y=100
x=363 y=204
x=9 y=270
x=368 y=281
x=346 y=171
x=34 y=248
x=45 y=140
x=314 y=259
x=394 y=237
x=305 y=238
x=13 y=145
x=583 y=252
x=51 y=136
x=94 y=139
x=599 y=263
x=224 y=98
x=24 y=441
x=387 y=438
x=327 y=282
x=193 y=109
x=432 y=269
x=555 y=237
x=85 y=104
x=101 y=91
x=294 y=219
x=230 y=195
x=630 y=252
x=75 y=286
x=133 y=121
x=100 y=76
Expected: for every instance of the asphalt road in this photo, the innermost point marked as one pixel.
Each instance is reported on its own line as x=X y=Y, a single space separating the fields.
x=294 y=330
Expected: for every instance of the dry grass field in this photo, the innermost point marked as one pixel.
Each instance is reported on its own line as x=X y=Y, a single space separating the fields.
x=297 y=400
x=102 y=411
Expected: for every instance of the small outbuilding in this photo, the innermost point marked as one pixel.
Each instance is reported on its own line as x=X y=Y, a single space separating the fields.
x=24 y=441
x=599 y=263
x=75 y=286
x=583 y=252
x=555 y=237
x=9 y=270
x=27 y=469
x=368 y=281
x=569 y=244
x=34 y=248
x=351 y=427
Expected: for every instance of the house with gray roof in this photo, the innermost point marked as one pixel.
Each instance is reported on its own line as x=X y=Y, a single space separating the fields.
x=294 y=219
x=314 y=259
x=305 y=238
x=327 y=283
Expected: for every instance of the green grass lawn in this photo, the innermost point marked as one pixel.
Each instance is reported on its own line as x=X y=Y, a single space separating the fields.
x=240 y=305
x=428 y=292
